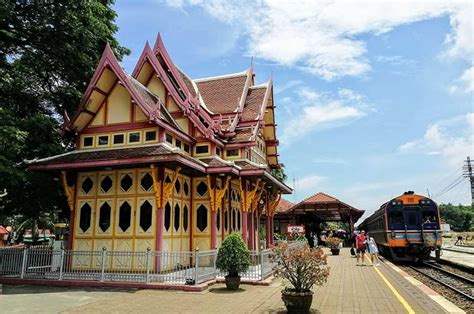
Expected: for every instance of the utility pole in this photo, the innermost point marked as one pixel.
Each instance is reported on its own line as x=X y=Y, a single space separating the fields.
x=467 y=172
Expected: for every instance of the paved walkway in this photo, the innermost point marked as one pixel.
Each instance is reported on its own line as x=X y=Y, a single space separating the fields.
x=350 y=289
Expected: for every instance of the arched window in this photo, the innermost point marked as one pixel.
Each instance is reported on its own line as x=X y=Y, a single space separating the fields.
x=201 y=221
x=176 y=216
x=167 y=216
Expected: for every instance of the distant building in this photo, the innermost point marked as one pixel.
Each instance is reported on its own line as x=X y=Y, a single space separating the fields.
x=166 y=162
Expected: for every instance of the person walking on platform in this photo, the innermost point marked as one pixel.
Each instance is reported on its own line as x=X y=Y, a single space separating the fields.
x=361 y=241
x=373 y=251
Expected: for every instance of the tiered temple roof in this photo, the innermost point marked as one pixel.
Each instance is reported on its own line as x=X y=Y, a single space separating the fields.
x=228 y=110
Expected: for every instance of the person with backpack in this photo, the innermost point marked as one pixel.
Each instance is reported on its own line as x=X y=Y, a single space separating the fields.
x=361 y=241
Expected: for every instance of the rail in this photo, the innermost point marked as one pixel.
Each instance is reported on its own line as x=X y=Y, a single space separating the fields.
x=461 y=285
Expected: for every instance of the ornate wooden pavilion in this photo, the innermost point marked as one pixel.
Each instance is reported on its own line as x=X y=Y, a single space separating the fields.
x=166 y=162
x=317 y=208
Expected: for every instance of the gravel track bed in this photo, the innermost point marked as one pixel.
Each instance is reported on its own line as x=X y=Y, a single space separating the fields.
x=449 y=294
x=457 y=271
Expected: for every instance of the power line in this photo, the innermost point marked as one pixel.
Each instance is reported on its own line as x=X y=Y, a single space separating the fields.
x=467 y=172
x=450 y=186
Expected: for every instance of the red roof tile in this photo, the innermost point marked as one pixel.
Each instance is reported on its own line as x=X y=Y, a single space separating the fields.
x=284 y=206
x=253 y=104
x=222 y=95
x=242 y=135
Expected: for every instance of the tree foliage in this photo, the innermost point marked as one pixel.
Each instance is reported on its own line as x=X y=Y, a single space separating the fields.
x=48 y=53
x=279 y=173
x=233 y=255
x=460 y=217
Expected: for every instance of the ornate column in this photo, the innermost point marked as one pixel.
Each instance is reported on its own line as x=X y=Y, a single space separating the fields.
x=252 y=232
x=70 y=192
x=163 y=191
x=253 y=213
x=246 y=200
x=215 y=194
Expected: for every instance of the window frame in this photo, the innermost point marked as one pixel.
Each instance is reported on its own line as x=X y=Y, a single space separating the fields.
x=145 y=132
x=139 y=137
x=118 y=144
x=202 y=146
x=106 y=136
x=87 y=137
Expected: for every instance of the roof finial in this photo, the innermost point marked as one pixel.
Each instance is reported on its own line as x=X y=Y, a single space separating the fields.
x=158 y=42
x=251 y=64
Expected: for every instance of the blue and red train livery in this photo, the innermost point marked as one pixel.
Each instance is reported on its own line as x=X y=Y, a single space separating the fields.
x=407 y=228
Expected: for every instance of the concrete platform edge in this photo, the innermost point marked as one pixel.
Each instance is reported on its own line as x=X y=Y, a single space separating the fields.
x=447 y=305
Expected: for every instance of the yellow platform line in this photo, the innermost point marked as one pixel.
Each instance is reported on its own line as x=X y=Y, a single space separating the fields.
x=394 y=291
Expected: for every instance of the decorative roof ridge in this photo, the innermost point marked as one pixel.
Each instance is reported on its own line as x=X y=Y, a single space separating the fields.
x=263 y=166
x=108 y=59
x=262 y=85
x=159 y=102
x=160 y=47
x=221 y=77
x=188 y=105
x=227 y=162
x=261 y=114
x=80 y=151
x=243 y=98
x=196 y=90
x=327 y=195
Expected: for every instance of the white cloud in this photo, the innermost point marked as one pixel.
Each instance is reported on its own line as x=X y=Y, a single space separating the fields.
x=323 y=37
x=468 y=79
x=287 y=85
x=322 y=111
x=308 y=183
x=452 y=139
x=464 y=83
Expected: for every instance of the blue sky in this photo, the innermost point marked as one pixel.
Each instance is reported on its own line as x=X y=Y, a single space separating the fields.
x=372 y=99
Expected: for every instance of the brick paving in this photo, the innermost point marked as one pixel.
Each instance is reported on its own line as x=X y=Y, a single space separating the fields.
x=350 y=289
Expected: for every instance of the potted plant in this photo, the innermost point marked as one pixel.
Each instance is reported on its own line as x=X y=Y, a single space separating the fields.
x=233 y=257
x=302 y=268
x=334 y=244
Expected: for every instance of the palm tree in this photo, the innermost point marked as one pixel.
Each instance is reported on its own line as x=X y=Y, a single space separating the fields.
x=40 y=221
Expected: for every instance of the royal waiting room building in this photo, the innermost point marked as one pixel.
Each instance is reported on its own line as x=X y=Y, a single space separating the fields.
x=169 y=163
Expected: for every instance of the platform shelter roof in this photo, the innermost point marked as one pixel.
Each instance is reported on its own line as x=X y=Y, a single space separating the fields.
x=326 y=207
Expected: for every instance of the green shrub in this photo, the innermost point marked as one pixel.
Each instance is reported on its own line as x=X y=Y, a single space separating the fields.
x=233 y=256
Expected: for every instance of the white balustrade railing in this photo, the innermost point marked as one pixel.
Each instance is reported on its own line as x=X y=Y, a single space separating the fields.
x=144 y=267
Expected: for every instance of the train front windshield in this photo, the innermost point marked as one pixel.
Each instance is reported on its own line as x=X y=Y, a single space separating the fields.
x=414 y=217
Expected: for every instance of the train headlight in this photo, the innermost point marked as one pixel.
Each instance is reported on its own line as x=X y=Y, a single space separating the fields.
x=393 y=234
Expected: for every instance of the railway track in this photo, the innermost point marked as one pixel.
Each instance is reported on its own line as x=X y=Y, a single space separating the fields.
x=461 y=285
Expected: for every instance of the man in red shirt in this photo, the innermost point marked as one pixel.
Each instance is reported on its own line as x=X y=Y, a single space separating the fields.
x=360 y=243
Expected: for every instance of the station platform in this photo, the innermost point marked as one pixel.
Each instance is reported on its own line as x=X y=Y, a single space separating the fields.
x=350 y=289
x=369 y=289
x=459 y=255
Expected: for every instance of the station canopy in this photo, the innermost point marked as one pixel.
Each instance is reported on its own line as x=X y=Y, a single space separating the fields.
x=326 y=207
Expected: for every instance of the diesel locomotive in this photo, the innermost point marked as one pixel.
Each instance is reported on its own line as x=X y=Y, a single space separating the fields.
x=406 y=228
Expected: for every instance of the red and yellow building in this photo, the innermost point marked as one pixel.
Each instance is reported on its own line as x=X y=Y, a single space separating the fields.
x=166 y=162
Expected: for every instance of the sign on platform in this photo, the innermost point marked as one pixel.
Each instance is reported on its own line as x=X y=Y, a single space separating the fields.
x=295 y=229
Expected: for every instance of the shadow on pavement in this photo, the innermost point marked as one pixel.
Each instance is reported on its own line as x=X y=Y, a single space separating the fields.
x=224 y=290
x=20 y=289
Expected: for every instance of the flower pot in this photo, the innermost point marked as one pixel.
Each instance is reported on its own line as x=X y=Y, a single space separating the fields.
x=335 y=251
x=232 y=282
x=297 y=302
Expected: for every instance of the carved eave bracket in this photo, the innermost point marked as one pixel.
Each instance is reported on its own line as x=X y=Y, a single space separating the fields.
x=156 y=186
x=247 y=198
x=256 y=199
x=168 y=187
x=273 y=204
x=215 y=194
x=69 y=190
